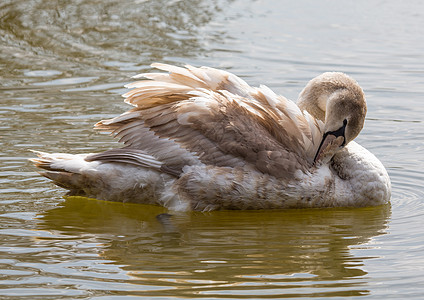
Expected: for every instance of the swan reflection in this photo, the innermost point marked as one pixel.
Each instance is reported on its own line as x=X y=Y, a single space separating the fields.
x=299 y=252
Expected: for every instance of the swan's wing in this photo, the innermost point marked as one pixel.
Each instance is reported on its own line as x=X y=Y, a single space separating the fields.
x=193 y=115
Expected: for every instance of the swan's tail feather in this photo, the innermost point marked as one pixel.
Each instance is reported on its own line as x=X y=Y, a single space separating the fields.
x=43 y=161
x=60 y=175
x=72 y=163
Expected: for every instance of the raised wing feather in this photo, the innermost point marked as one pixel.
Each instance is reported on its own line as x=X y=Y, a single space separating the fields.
x=204 y=115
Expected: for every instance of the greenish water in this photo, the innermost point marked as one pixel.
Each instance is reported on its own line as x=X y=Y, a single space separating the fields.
x=63 y=67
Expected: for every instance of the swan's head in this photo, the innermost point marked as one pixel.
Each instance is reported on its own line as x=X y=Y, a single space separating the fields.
x=339 y=101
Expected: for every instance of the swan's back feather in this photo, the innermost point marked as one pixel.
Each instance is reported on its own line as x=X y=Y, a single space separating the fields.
x=210 y=116
x=129 y=156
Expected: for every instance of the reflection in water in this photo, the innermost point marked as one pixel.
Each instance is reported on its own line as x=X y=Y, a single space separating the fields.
x=298 y=252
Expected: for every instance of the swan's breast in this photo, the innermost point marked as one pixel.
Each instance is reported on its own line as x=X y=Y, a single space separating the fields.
x=353 y=178
x=365 y=175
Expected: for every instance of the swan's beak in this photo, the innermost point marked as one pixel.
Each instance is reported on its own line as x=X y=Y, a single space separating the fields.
x=331 y=142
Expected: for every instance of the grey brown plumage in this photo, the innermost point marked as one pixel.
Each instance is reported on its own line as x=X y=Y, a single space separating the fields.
x=213 y=142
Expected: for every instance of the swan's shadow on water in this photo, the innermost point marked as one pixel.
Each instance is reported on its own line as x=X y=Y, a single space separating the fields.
x=301 y=252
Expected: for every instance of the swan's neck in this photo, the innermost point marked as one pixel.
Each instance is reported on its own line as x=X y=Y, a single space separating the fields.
x=315 y=105
x=318 y=94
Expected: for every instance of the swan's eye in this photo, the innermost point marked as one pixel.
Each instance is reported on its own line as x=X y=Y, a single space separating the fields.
x=344 y=122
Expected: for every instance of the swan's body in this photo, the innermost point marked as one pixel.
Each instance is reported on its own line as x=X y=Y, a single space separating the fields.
x=202 y=139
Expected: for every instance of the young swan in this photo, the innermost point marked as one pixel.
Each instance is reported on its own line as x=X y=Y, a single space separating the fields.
x=203 y=139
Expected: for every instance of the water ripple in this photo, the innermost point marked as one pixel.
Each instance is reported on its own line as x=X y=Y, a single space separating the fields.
x=63 y=66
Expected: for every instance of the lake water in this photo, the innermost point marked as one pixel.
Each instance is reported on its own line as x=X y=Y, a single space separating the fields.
x=63 y=67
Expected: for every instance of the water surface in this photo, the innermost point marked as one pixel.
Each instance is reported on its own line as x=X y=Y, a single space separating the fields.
x=63 y=67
